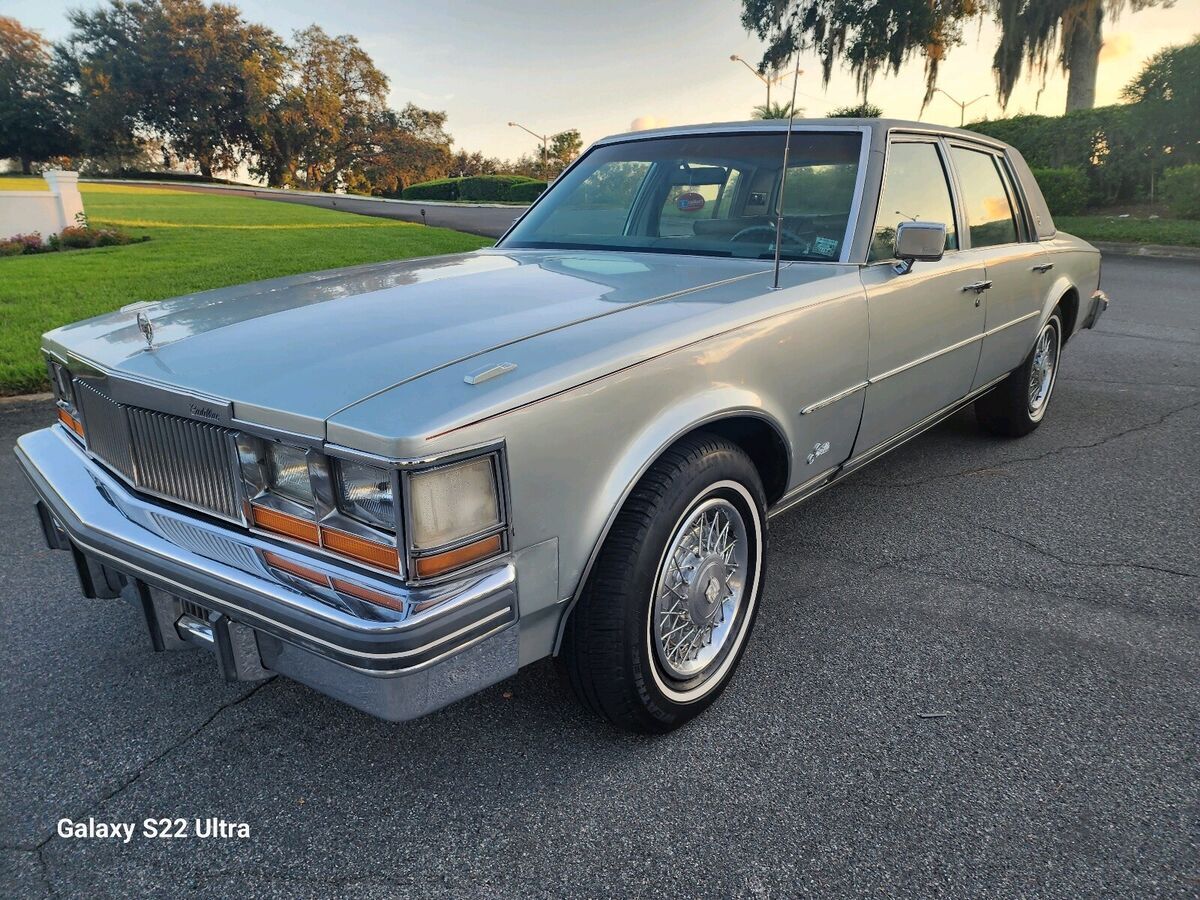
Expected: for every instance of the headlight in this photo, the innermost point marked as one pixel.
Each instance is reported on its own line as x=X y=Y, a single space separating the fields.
x=453 y=502
x=288 y=473
x=365 y=493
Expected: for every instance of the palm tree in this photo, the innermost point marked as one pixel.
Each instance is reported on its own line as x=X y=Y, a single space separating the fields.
x=1066 y=32
x=778 y=111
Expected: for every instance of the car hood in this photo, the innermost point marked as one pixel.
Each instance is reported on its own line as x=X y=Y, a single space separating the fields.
x=291 y=352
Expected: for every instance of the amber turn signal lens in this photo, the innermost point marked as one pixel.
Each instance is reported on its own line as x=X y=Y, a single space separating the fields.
x=365 y=593
x=282 y=523
x=70 y=421
x=439 y=563
x=360 y=548
x=294 y=568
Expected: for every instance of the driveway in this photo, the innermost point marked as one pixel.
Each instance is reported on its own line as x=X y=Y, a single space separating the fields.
x=974 y=674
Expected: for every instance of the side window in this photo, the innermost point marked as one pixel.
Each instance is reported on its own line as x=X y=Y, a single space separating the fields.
x=914 y=189
x=989 y=211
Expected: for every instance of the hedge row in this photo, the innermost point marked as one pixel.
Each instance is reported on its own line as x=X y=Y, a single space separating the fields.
x=1065 y=190
x=512 y=188
x=1181 y=190
x=1111 y=145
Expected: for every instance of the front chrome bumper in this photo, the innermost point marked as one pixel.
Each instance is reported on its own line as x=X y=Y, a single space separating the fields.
x=205 y=582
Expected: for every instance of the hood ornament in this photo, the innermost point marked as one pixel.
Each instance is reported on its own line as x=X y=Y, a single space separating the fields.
x=146 y=327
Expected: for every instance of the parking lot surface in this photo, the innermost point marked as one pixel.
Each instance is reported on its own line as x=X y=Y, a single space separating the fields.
x=974 y=673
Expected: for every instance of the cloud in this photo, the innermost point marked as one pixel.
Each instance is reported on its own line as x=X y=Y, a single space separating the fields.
x=1116 y=47
x=643 y=123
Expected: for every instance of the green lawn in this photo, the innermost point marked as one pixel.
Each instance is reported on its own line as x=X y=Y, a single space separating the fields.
x=196 y=242
x=23 y=183
x=1185 y=232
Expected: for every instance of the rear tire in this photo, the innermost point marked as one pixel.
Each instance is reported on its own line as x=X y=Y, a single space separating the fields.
x=1017 y=405
x=668 y=608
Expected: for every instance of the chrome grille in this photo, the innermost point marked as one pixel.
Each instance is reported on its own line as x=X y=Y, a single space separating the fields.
x=172 y=457
x=106 y=428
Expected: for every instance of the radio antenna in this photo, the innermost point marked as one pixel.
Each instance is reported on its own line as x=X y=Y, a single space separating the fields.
x=787 y=146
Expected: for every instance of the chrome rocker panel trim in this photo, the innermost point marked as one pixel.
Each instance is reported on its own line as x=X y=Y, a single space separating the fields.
x=451 y=640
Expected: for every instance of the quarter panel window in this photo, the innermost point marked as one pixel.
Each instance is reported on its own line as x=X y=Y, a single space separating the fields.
x=989 y=212
x=914 y=190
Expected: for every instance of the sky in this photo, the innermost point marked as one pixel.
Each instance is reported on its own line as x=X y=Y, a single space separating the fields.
x=617 y=65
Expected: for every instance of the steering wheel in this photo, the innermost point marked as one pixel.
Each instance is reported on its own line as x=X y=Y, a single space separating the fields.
x=791 y=236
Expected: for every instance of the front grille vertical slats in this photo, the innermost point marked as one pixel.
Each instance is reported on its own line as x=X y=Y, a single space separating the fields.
x=173 y=457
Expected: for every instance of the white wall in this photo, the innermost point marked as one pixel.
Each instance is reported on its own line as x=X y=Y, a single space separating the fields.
x=23 y=212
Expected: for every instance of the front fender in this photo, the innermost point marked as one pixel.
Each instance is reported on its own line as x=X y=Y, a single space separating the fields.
x=643 y=450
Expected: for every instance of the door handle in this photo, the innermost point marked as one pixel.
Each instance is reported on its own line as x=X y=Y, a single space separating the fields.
x=1044 y=267
x=977 y=286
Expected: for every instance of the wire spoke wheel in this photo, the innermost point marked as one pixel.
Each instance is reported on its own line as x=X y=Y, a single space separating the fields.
x=700 y=589
x=1042 y=370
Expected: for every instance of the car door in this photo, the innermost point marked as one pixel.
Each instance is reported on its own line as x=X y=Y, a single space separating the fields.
x=925 y=325
x=998 y=237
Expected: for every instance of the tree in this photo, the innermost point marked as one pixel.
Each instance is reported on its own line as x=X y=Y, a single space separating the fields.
x=863 y=110
x=778 y=111
x=329 y=109
x=1164 y=101
x=33 y=118
x=869 y=38
x=1166 y=98
x=195 y=76
x=407 y=148
x=866 y=37
x=1069 y=32
x=465 y=164
x=561 y=151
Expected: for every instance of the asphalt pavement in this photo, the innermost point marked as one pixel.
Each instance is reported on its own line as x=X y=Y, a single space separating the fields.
x=975 y=673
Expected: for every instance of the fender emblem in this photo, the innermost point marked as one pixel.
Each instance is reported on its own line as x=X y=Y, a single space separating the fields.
x=820 y=448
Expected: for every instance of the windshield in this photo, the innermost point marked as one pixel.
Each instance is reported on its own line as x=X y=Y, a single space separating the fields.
x=703 y=194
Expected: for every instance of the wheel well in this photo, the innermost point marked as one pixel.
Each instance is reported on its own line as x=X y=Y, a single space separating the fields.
x=1069 y=302
x=762 y=443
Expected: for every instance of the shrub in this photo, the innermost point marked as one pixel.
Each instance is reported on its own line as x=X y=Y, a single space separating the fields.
x=1181 y=190
x=1065 y=189
x=20 y=244
x=82 y=237
x=438 y=189
x=525 y=192
x=489 y=187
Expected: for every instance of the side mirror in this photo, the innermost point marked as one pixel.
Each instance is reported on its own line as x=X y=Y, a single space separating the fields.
x=925 y=241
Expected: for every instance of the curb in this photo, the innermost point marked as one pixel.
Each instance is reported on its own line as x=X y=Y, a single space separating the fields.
x=19 y=399
x=1157 y=251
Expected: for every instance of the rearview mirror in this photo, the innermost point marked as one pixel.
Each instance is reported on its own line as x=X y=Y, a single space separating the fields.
x=925 y=241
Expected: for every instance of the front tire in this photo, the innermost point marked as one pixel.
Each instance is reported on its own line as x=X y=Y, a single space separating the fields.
x=668 y=608
x=1019 y=403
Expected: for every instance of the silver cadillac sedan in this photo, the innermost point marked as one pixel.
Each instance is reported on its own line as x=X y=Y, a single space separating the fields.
x=399 y=483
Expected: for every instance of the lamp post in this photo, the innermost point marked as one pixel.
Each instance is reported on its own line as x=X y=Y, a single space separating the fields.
x=962 y=107
x=544 y=138
x=759 y=75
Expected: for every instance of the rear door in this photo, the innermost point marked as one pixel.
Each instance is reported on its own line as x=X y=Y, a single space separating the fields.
x=924 y=327
x=998 y=236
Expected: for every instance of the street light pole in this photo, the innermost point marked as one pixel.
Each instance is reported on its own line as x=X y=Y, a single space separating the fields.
x=962 y=107
x=759 y=75
x=544 y=138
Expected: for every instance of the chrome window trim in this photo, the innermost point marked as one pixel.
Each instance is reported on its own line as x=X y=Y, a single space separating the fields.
x=948 y=174
x=744 y=128
x=999 y=158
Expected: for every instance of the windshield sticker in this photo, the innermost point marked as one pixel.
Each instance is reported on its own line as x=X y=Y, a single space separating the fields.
x=824 y=246
x=689 y=202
